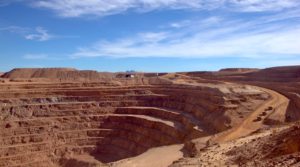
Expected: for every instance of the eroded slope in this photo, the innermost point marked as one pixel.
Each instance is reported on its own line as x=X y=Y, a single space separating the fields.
x=96 y=123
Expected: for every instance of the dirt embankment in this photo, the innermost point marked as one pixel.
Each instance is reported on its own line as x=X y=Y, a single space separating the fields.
x=284 y=80
x=144 y=118
x=73 y=123
x=57 y=74
x=274 y=74
x=280 y=147
x=238 y=70
x=261 y=139
x=277 y=74
x=274 y=110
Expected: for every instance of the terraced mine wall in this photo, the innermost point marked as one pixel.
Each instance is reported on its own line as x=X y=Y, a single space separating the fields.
x=48 y=124
x=292 y=92
x=284 y=80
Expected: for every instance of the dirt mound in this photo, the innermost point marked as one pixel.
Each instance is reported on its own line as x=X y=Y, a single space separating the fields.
x=239 y=70
x=284 y=80
x=280 y=147
x=56 y=73
x=286 y=142
x=36 y=72
x=277 y=146
x=277 y=74
x=274 y=74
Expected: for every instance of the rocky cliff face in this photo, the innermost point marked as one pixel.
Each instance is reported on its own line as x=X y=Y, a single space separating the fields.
x=279 y=148
x=48 y=124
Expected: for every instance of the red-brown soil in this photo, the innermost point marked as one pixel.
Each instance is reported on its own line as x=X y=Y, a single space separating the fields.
x=59 y=74
x=237 y=70
x=284 y=80
x=65 y=117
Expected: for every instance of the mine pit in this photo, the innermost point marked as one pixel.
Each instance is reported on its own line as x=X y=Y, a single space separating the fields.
x=149 y=83
x=69 y=124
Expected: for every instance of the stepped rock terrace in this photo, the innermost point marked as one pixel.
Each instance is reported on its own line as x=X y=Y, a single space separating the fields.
x=56 y=124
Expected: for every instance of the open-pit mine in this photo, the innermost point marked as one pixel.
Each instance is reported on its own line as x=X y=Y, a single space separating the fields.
x=59 y=117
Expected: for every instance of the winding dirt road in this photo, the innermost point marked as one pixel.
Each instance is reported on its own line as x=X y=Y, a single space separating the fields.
x=274 y=108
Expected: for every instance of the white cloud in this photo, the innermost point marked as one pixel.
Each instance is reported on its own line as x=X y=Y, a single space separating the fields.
x=196 y=23
x=210 y=37
x=152 y=37
x=245 y=46
x=41 y=34
x=37 y=34
x=77 y=8
x=263 y=5
x=15 y=29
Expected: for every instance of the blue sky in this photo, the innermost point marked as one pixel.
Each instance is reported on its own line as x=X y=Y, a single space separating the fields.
x=149 y=35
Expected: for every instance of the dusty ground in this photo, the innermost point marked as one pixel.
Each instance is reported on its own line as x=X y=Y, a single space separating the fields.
x=49 y=118
x=274 y=108
x=159 y=157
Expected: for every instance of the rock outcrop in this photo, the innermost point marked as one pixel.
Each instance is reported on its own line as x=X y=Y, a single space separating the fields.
x=65 y=117
x=56 y=124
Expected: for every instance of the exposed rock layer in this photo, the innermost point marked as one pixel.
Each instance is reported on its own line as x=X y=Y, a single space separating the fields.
x=86 y=118
x=48 y=124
